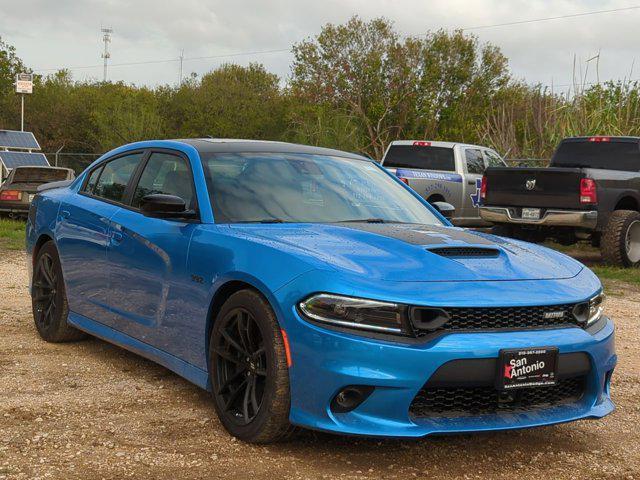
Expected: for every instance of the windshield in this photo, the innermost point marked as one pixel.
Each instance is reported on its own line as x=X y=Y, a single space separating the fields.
x=610 y=155
x=304 y=188
x=418 y=156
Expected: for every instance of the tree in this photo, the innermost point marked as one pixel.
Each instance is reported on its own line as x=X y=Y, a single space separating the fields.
x=230 y=101
x=360 y=68
x=10 y=65
x=431 y=86
x=456 y=79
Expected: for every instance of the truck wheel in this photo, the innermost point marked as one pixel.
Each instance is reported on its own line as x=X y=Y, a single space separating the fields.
x=620 y=244
x=49 y=298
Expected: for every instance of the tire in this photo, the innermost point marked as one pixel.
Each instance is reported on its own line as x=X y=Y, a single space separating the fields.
x=248 y=366
x=49 y=298
x=620 y=243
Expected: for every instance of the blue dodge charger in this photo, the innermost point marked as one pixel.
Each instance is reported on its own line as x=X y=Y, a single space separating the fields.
x=305 y=286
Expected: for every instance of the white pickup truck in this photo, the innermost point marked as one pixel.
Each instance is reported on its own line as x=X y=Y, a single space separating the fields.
x=444 y=172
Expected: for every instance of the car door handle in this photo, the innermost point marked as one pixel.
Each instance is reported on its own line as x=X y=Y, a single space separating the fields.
x=471 y=182
x=64 y=214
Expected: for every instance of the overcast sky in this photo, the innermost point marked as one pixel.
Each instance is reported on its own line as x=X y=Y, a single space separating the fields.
x=66 y=33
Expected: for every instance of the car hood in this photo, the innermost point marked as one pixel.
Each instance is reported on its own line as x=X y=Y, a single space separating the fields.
x=414 y=253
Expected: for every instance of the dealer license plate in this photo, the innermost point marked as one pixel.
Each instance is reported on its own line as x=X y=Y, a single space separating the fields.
x=531 y=367
x=531 y=214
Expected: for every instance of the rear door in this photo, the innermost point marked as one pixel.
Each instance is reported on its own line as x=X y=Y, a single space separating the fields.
x=474 y=167
x=149 y=285
x=83 y=234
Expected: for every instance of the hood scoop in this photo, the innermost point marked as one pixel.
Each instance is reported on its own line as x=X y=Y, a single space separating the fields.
x=465 y=252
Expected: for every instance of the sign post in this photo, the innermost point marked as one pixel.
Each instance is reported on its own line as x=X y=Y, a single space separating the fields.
x=24 y=86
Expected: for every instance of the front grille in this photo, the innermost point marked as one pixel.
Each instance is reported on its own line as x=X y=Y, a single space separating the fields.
x=496 y=318
x=461 y=252
x=473 y=401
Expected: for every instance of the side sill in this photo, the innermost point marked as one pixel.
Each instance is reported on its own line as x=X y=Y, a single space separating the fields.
x=190 y=372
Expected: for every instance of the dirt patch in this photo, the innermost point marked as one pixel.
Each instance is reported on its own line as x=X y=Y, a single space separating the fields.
x=91 y=410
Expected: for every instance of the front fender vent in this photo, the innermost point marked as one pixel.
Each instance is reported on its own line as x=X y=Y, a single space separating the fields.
x=465 y=252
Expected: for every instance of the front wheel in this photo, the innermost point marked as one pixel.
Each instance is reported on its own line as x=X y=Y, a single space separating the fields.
x=249 y=371
x=620 y=243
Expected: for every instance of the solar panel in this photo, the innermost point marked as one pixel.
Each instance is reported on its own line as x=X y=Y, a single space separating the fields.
x=23 y=159
x=13 y=139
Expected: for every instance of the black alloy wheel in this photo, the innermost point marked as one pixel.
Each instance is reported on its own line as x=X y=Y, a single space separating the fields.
x=249 y=370
x=49 y=299
x=241 y=366
x=45 y=287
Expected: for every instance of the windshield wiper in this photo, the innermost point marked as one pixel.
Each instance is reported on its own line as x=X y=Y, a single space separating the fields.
x=267 y=220
x=272 y=220
x=365 y=220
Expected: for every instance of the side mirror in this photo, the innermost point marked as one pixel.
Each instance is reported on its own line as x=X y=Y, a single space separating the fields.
x=446 y=209
x=159 y=205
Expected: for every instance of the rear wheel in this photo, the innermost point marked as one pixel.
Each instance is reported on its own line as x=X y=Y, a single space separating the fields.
x=49 y=299
x=620 y=243
x=249 y=372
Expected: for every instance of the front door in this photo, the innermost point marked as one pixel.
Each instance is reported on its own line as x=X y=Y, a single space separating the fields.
x=148 y=283
x=83 y=235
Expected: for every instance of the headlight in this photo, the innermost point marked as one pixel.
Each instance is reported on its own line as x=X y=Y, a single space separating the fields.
x=357 y=313
x=591 y=311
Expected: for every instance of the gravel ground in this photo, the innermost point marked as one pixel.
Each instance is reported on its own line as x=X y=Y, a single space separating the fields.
x=91 y=410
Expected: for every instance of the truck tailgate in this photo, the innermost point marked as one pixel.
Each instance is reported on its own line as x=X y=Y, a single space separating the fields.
x=534 y=187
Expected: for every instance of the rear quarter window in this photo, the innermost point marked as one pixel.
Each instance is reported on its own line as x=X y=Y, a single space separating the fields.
x=420 y=157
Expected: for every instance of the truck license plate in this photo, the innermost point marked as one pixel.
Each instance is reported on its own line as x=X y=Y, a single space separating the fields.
x=531 y=214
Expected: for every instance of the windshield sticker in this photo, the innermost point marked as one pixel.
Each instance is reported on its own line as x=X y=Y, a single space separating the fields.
x=446 y=177
x=310 y=193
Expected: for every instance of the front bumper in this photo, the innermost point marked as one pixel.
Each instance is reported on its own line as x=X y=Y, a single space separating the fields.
x=398 y=372
x=549 y=218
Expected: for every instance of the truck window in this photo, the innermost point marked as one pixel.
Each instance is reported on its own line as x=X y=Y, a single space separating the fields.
x=422 y=157
x=493 y=159
x=610 y=155
x=475 y=162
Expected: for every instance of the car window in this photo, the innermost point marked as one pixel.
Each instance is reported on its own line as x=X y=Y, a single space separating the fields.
x=115 y=175
x=493 y=159
x=475 y=162
x=93 y=179
x=168 y=174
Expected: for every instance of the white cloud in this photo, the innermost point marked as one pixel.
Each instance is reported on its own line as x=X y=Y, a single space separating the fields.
x=66 y=32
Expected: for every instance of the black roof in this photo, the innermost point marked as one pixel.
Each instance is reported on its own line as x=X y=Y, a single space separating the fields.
x=222 y=145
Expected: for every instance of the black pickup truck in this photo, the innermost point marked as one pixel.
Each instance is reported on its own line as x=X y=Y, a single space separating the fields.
x=590 y=191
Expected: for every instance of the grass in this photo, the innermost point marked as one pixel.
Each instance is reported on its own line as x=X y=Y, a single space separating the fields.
x=627 y=275
x=11 y=234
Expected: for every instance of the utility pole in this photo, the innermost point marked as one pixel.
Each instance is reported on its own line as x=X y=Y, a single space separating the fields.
x=181 y=60
x=106 y=38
